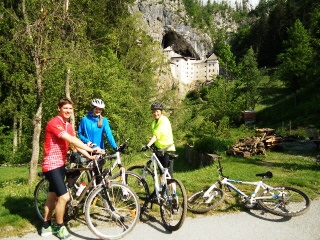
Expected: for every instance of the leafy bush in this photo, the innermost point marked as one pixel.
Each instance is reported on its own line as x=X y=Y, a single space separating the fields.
x=212 y=145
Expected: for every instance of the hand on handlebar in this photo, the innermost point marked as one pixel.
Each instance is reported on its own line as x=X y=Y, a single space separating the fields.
x=145 y=148
x=97 y=151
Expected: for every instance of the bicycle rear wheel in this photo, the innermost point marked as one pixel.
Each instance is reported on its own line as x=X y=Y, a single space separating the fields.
x=40 y=196
x=112 y=212
x=174 y=208
x=284 y=201
x=42 y=189
x=197 y=203
x=134 y=180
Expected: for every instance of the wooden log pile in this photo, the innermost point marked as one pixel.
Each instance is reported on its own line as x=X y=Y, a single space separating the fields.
x=273 y=142
x=247 y=147
x=250 y=146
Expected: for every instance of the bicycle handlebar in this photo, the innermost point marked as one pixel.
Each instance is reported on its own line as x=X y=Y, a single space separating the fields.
x=262 y=175
x=122 y=147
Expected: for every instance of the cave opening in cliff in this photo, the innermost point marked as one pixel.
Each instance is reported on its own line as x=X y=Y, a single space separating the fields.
x=179 y=45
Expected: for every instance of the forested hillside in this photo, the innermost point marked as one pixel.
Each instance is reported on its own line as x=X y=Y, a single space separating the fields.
x=85 y=49
x=268 y=63
x=80 y=49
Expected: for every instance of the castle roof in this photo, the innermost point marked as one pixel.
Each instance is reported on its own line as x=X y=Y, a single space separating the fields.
x=212 y=57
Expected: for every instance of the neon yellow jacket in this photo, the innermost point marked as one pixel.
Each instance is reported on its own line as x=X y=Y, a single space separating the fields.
x=161 y=128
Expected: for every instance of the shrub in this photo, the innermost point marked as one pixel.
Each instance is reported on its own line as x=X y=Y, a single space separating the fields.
x=212 y=145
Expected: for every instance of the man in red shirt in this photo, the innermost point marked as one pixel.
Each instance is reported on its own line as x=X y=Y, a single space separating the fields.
x=59 y=135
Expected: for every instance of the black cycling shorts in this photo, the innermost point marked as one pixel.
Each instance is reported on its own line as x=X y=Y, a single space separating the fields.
x=167 y=163
x=56 y=180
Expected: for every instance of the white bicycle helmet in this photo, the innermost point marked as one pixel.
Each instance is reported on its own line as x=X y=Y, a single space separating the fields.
x=98 y=103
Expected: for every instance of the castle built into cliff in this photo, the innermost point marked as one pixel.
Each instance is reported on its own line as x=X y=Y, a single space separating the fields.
x=189 y=70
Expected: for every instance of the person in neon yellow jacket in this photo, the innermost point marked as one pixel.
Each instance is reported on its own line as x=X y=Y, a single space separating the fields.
x=162 y=136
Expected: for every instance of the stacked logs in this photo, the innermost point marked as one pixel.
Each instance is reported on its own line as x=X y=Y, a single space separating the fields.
x=249 y=146
x=273 y=142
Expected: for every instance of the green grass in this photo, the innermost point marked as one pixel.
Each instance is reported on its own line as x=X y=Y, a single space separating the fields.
x=295 y=167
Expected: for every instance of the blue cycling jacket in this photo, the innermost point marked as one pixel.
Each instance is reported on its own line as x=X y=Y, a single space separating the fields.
x=89 y=131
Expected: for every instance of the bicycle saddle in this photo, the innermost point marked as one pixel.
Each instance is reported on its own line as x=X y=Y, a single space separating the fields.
x=173 y=155
x=265 y=175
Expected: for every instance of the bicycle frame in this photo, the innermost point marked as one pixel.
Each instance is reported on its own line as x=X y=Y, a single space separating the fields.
x=225 y=181
x=90 y=168
x=116 y=163
x=156 y=162
x=252 y=198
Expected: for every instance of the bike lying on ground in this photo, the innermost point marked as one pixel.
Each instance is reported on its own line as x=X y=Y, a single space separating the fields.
x=280 y=200
x=169 y=194
x=111 y=208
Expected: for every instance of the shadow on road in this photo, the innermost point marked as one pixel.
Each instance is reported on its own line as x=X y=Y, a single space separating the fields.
x=263 y=215
x=153 y=222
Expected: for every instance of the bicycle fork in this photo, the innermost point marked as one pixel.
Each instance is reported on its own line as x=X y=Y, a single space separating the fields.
x=208 y=196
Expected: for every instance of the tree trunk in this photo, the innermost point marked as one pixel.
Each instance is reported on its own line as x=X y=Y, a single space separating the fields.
x=15 y=134
x=20 y=131
x=35 y=144
x=67 y=90
x=36 y=53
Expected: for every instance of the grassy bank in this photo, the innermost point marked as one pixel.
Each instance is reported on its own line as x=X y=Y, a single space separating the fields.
x=295 y=166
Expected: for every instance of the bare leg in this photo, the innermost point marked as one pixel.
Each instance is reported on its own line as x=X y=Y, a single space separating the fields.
x=60 y=207
x=49 y=206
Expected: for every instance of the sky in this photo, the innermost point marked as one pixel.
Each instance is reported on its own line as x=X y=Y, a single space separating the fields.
x=253 y=2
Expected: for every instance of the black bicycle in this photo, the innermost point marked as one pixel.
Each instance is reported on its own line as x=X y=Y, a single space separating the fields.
x=111 y=208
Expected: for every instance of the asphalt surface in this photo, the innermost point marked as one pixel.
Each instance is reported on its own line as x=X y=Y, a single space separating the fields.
x=254 y=224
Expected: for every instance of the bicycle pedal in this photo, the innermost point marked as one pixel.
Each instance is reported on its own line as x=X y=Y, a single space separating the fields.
x=175 y=211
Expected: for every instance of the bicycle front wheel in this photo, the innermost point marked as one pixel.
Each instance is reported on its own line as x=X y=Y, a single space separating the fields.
x=284 y=201
x=112 y=212
x=135 y=181
x=40 y=196
x=199 y=203
x=173 y=209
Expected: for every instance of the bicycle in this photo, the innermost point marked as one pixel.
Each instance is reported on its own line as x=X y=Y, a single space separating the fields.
x=280 y=200
x=74 y=177
x=115 y=203
x=169 y=194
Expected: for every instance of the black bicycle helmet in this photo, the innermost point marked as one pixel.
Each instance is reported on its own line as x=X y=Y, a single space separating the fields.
x=157 y=106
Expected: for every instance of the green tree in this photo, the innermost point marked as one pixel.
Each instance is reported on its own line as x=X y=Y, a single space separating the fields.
x=227 y=60
x=295 y=59
x=249 y=80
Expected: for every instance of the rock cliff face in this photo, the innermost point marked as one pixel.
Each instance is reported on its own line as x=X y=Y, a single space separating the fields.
x=168 y=24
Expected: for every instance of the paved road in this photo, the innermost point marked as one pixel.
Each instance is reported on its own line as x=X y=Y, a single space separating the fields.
x=236 y=226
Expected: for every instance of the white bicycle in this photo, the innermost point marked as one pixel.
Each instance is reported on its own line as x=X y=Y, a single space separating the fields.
x=280 y=200
x=169 y=193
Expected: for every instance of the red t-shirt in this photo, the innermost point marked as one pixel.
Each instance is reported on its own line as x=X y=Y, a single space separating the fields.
x=56 y=148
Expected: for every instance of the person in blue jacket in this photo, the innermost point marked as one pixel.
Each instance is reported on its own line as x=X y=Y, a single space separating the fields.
x=93 y=126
